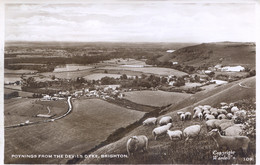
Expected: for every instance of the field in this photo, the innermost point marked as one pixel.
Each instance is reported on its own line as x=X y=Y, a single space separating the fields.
x=149 y=70
x=71 y=67
x=98 y=76
x=155 y=98
x=81 y=130
x=197 y=151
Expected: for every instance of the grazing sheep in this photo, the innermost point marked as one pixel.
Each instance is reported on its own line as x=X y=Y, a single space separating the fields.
x=165 y=120
x=225 y=107
x=231 y=142
x=214 y=123
x=161 y=130
x=206 y=112
x=222 y=111
x=223 y=104
x=231 y=105
x=150 y=121
x=174 y=134
x=241 y=114
x=200 y=116
x=221 y=127
x=187 y=115
x=182 y=117
x=207 y=106
x=196 y=114
x=209 y=117
x=234 y=130
x=179 y=113
x=221 y=116
x=234 y=109
x=229 y=115
x=197 y=109
x=214 y=113
x=136 y=143
x=191 y=131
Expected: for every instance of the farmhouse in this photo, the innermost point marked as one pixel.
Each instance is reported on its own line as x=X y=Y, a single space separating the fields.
x=232 y=69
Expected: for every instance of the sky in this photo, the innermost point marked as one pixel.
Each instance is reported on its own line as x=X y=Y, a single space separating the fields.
x=135 y=21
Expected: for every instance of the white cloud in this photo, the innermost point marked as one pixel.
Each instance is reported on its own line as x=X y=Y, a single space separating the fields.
x=153 y=22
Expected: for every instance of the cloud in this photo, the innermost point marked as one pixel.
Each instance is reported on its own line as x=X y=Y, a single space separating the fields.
x=141 y=22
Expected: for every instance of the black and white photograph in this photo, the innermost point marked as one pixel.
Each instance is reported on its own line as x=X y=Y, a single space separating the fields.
x=129 y=81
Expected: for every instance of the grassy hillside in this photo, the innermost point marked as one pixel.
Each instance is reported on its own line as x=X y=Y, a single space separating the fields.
x=226 y=53
x=90 y=122
x=164 y=151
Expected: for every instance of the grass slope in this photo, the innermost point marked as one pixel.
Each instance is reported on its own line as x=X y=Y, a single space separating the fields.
x=91 y=121
x=231 y=53
x=155 y=98
x=164 y=151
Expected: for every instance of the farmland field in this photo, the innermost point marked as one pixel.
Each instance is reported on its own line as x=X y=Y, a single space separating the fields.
x=155 y=98
x=71 y=67
x=98 y=76
x=151 y=70
x=81 y=130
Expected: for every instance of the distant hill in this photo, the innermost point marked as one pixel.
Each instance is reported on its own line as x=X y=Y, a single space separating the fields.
x=226 y=53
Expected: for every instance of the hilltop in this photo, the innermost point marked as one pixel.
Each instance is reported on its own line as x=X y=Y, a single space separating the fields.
x=226 y=53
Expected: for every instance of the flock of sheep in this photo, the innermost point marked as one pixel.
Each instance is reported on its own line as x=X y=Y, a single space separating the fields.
x=225 y=125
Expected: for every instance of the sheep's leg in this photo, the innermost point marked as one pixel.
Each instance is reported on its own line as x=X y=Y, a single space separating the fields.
x=187 y=139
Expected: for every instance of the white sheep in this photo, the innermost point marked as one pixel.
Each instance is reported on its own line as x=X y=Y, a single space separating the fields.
x=136 y=143
x=200 y=116
x=232 y=142
x=165 y=120
x=197 y=109
x=221 y=116
x=234 y=109
x=187 y=115
x=206 y=112
x=214 y=123
x=209 y=117
x=196 y=113
x=223 y=104
x=174 y=134
x=161 y=130
x=222 y=111
x=229 y=115
x=207 y=106
x=225 y=125
x=179 y=113
x=231 y=105
x=191 y=131
x=234 y=130
x=225 y=107
x=182 y=117
x=241 y=114
x=149 y=121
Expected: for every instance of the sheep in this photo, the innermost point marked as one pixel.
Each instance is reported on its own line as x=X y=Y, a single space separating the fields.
x=165 y=120
x=161 y=130
x=182 y=117
x=221 y=127
x=229 y=115
x=209 y=117
x=191 y=131
x=150 y=121
x=223 y=104
x=241 y=114
x=187 y=115
x=214 y=111
x=231 y=105
x=179 y=113
x=214 y=123
x=234 y=130
x=136 y=143
x=221 y=116
x=222 y=111
x=196 y=114
x=225 y=107
x=234 y=109
x=200 y=116
x=197 y=109
x=206 y=112
x=207 y=106
x=231 y=142
x=174 y=134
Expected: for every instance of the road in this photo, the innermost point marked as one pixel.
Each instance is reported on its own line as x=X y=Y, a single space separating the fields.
x=45 y=121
